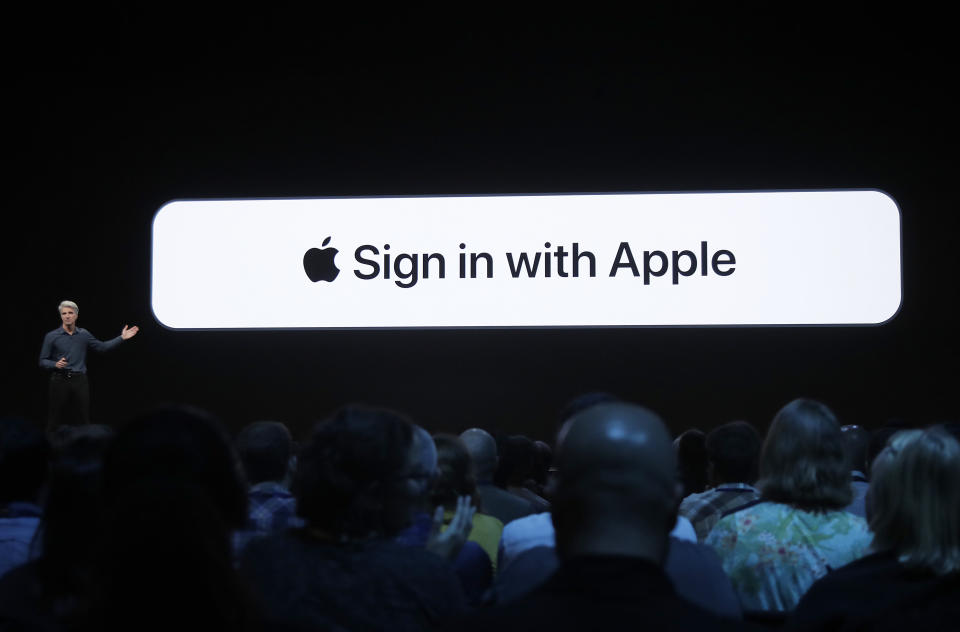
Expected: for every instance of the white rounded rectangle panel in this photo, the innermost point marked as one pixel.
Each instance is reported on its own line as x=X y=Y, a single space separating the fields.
x=578 y=260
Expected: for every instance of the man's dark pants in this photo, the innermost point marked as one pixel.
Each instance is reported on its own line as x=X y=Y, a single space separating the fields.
x=69 y=399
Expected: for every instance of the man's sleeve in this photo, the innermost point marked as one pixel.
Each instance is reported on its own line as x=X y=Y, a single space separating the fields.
x=101 y=346
x=45 y=351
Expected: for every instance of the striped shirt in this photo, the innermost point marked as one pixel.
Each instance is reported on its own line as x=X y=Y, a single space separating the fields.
x=705 y=509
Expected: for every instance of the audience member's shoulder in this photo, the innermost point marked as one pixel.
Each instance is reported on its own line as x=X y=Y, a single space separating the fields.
x=693 y=551
x=503 y=504
x=683 y=530
x=275 y=550
x=696 y=498
x=851 y=526
x=842 y=516
x=870 y=575
x=531 y=522
x=544 y=610
x=876 y=592
x=487 y=521
x=21 y=603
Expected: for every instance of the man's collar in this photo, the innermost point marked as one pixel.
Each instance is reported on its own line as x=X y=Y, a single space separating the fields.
x=729 y=486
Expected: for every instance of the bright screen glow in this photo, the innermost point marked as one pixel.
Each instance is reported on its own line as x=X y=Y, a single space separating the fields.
x=623 y=260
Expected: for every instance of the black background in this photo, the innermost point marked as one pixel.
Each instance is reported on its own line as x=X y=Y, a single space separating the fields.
x=111 y=113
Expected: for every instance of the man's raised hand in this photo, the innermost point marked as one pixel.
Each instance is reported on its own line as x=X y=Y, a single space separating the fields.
x=448 y=543
x=129 y=332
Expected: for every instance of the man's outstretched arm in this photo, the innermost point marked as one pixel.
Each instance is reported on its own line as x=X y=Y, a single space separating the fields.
x=101 y=346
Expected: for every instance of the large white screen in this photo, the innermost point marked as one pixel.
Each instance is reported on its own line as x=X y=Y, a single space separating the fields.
x=773 y=258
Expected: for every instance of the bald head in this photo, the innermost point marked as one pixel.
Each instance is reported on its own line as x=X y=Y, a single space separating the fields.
x=483 y=450
x=616 y=484
x=623 y=439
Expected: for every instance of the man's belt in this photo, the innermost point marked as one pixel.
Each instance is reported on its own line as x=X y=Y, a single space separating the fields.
x=68 y=374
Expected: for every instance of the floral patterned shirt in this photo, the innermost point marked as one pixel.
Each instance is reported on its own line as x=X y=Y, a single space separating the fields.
x=774 y=552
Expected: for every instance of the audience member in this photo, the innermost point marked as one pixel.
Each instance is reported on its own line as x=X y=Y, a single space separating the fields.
x=733 y=453
x=496 y=502
x=692 y=461
x=952 y=428
x=774 y=549
x=543 y=459
x=694 y=570
x=528 y=557
x=535 y=530
x=518 y=455
x=379 y=525
x=54 y=591
x=24 y=455
x=614 y=505
x=856 y=441
x=913 y=577
x=878 y=440
x=173 y=492
x=266 y=452
x=471 y=562
x=355 y=487
x=455 y=478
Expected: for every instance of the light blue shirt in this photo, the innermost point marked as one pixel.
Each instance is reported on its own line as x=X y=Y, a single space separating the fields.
x=18 y=525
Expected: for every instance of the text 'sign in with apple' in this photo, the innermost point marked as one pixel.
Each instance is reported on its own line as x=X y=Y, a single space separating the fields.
x=584 y=260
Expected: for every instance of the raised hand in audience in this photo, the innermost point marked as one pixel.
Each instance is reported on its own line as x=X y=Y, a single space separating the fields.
x=447 y=542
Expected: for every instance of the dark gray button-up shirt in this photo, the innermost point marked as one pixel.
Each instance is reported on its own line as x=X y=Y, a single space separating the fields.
x=59 y=344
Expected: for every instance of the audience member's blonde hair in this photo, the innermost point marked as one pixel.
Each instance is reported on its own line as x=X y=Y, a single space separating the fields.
x=914 y=500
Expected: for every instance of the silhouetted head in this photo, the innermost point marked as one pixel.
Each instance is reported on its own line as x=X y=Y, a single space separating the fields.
x=692 y=461
x=422 y=469
x=265 y=449
x=72 y=520
x=352 y=480
x=615 y=490
x=856 y=441
x=542 y=460
x=733 y=453
x=455 y=475
x=914 y=500
x=483 y=450
x=183 y=444
x=802 y=462
x=166 y=559
x=173 y=491
x=517 y=457
x=952 y=428
x=24 y=461
x=878 y=440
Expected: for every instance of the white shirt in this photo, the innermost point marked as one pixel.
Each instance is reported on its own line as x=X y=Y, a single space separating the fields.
x=525 y=533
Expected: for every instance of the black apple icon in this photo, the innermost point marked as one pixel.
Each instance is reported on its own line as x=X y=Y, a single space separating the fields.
x=319 y=265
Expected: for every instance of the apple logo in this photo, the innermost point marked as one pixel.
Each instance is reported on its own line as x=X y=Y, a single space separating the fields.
x=319 y=265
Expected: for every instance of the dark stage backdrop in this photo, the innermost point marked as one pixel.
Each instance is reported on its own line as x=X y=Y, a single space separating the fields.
x=113 y=114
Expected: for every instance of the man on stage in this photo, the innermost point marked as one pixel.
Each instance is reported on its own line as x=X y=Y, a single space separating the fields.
x=64 y=354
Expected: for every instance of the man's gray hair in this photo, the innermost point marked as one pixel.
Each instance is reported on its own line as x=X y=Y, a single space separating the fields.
x=69 y=304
